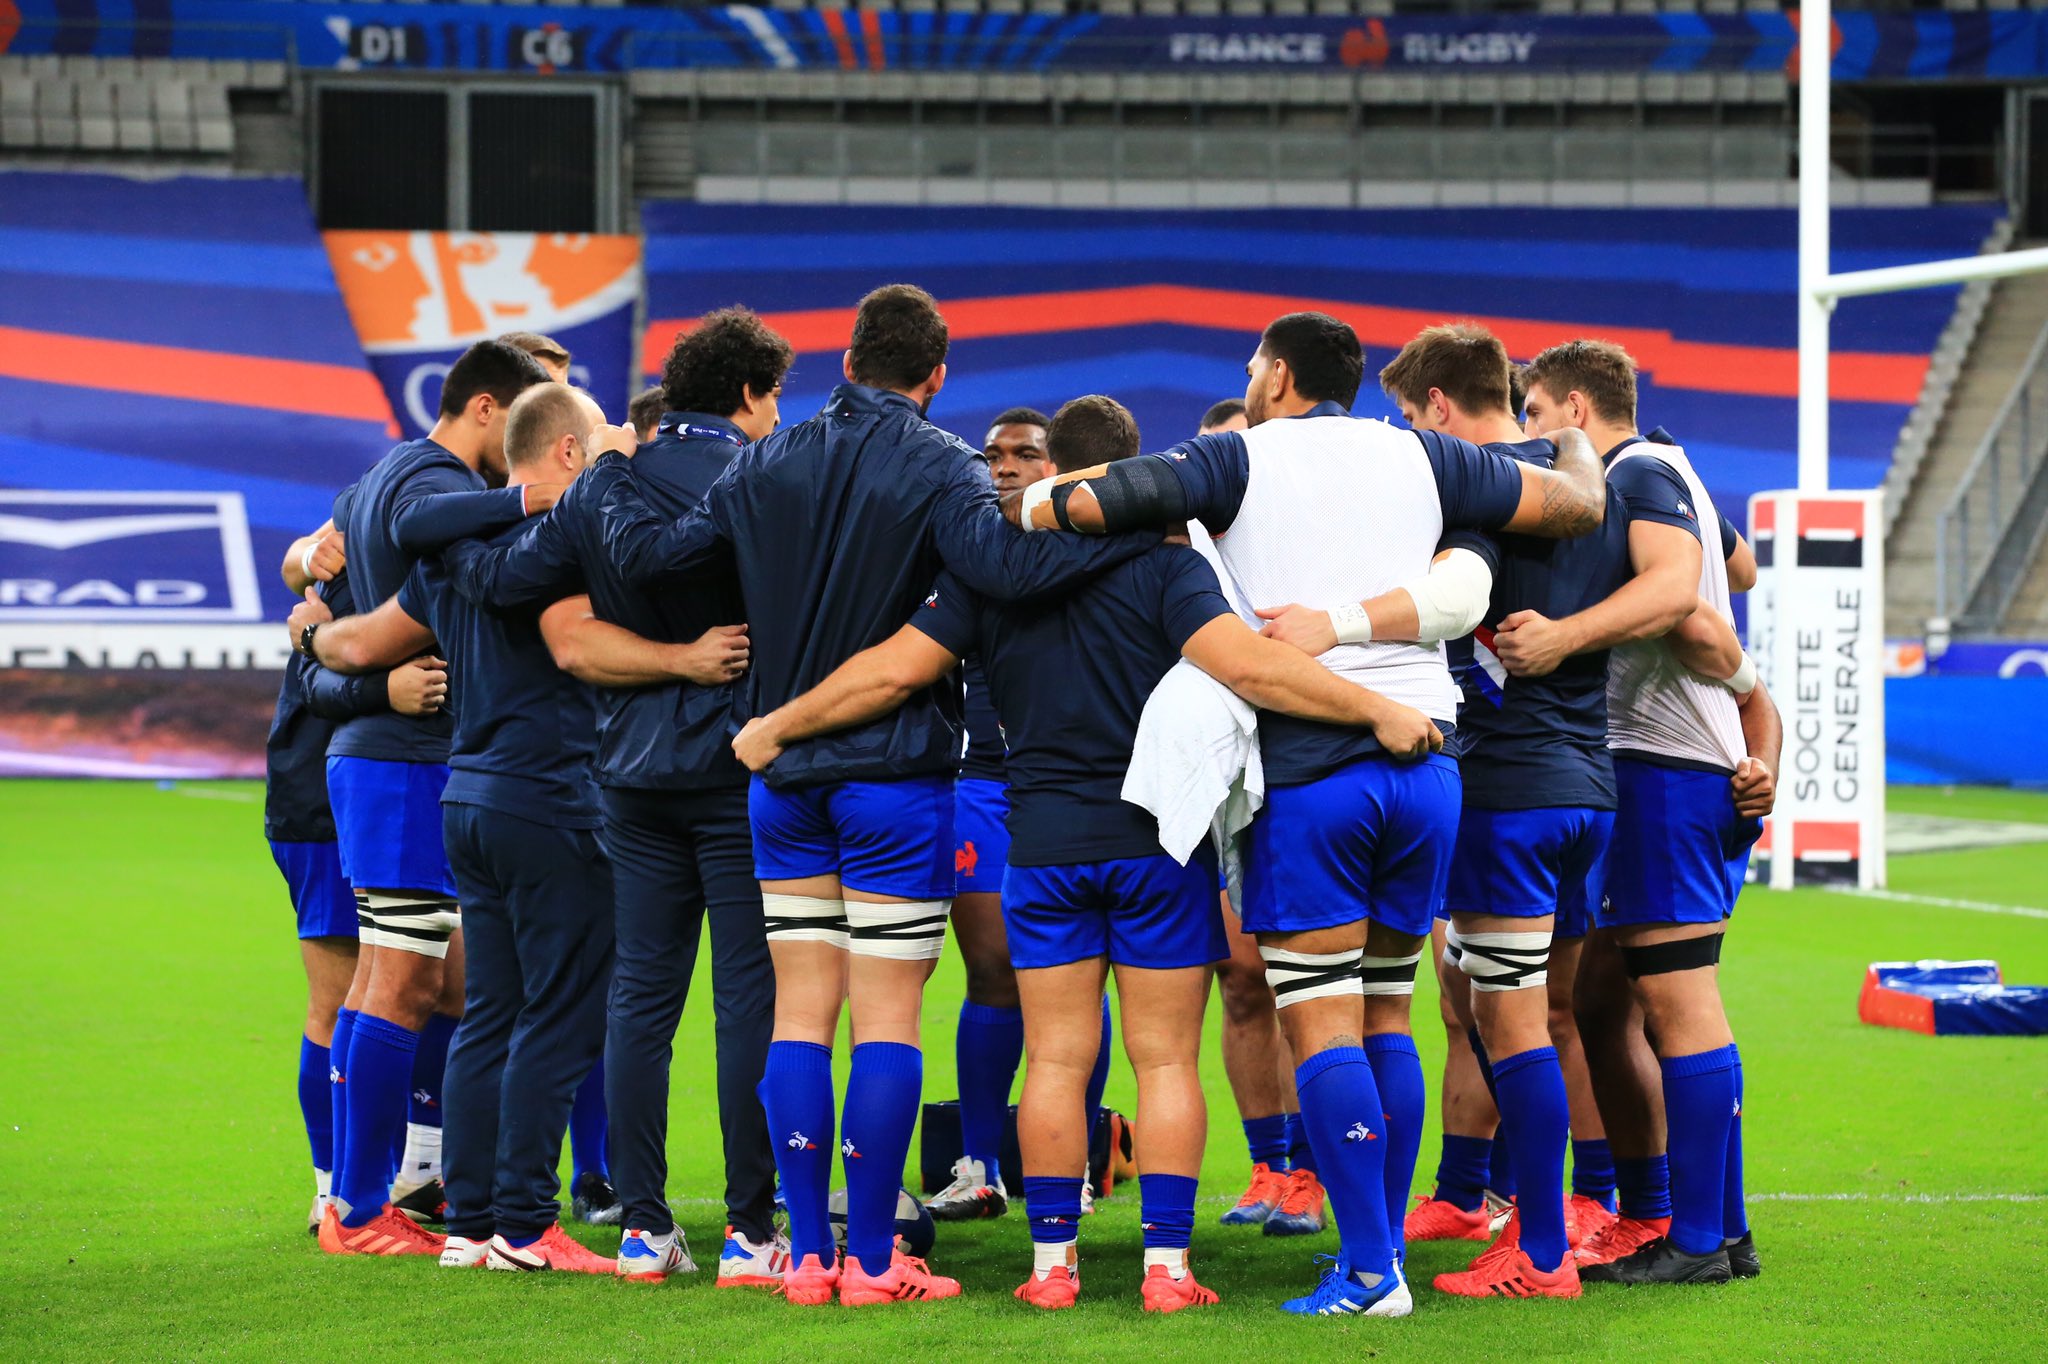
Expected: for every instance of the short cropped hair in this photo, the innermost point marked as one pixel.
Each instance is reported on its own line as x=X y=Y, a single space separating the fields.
x=1020 y=416
x=645 y=410
x=712 y=365
x=1221 y=413
x=1090 y=431
x=543 y=348
x=1321 y=352
x=1601 y=370
x=1463 y=360
x=490 y=367
x=541 y=416
x=899 y=338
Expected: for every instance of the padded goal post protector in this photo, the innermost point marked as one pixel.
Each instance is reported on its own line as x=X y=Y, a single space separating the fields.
x=1950 y=999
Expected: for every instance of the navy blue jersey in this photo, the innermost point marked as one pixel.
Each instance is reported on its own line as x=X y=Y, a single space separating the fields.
x=1070 y=680
x=525 y=731
x=677 y=736
x=310 y=703
x=415 y=499
x=1535 y=742
x=1474 y=488
x=838 y=527
x=1652 y=490
x=984 y=758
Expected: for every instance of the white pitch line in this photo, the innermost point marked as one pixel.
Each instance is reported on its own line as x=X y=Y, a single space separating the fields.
x=202 y=793
x=1942 y=902
x=1896 y=1198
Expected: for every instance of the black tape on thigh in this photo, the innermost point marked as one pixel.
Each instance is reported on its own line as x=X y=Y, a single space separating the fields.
x=1683 y=954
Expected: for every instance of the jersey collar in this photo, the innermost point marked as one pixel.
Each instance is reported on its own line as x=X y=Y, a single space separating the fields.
x=848 y=399
x=700 y=426
x=1328 y=407
x=1610 y=456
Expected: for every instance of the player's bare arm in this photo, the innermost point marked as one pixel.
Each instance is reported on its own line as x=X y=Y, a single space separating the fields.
x=1569 y=498
x=607 y=655
x=1447 y=602
x=1663 y=592
x=315 y=558
x=384 y=638
x=1276 y=676
x=1705 y=642
x=873 y=682
x=1741 y=566
x=1763 y=736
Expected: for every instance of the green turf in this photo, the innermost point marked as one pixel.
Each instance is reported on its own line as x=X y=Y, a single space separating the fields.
x=153 y=1181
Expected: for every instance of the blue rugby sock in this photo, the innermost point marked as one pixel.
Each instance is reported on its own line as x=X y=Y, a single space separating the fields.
x=380 y=1057
x=1699 y=1101
x=1485 y=1064
x=1053 y=1207
x=429 y=1069
x=1593 y=1171
x=1734 y=1216
x=1299 y=1156
x=882 y=1092
x=337 y=1074
x=1266 y=1139
x=796 y=1097
x=316 y=1102
x=1397 y=1071
x=1166 y=1206
x=1098 y=1079
x=1461 y=1171
x=987 y=1047
x=1502 y=1174
x=589 y=1127
x=1643 y=1186
x=1340 y=1108
x=1536 y=1123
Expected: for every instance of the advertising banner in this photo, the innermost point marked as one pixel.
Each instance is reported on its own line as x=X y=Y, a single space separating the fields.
x=419 y=299
x=1816 y=631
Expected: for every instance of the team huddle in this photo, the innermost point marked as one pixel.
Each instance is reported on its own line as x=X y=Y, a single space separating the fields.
x=1284 y=707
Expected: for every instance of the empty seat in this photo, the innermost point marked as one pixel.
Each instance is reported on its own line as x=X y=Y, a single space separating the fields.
x=213 y=126
x=96 y=127
x=134 y=128
x=57 y=112
x=17 y=110
x=174 y=118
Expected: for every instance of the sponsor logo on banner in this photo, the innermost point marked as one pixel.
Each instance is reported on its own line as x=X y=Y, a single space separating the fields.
x=102 y=556
x=419 y=299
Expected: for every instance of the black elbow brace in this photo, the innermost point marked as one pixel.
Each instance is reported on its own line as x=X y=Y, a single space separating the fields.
x=1134 y=494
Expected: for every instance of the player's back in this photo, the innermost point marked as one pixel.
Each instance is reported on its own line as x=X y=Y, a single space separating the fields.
x=1070 y=679
x=1656 y=705
x=830 y=521
x=1530 y=742
x=525 y=731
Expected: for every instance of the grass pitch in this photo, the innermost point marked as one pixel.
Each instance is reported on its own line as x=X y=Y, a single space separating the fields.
x=153 y=1172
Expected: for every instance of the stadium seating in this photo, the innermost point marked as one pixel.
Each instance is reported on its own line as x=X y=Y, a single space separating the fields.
x=125 y=105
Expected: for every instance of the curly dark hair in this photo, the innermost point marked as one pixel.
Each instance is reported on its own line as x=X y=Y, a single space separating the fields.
x=899 y=338
x=714 y=363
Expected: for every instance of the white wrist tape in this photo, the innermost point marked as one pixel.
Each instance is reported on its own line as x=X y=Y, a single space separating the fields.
x=1451 y=598
x=1744 y=681
x=1035 y=496
x=306 y=560
x=1352 y=624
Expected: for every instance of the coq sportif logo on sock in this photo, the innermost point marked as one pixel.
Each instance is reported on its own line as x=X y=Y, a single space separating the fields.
x=846 y=1149
x=102 y=556
x=799 y=1142
x=1360 y=1132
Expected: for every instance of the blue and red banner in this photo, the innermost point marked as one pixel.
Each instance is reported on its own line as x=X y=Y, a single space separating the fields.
x=1999 y=45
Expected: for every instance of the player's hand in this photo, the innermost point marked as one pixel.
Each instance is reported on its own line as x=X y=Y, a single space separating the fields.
x=1756 y=789
x=619 y=440
x=311 y=611
x=1304 y=627
x=1407 y=733
x=718 y=655
x=755 y=744
x=418 y=687
x=326 y=560
x=1530 y=644
x=540 y=497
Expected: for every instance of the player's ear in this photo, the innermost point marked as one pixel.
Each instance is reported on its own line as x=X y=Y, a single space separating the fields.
x=938 y=378
x=846 y=365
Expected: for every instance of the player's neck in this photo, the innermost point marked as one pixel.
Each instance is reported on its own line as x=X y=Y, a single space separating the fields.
x=1496 y=430
x=1607 y=435
x=448 y=433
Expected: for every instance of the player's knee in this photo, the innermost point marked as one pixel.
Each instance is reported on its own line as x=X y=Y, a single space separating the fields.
x=992 y=983
x=1247 y=998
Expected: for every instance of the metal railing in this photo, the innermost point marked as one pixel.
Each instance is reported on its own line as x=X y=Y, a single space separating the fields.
x=1997 y=492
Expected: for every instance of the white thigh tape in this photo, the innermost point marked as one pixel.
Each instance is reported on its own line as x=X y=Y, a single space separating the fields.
x=804 y=918
x=1298 y=976
x=1505 y=961
x=405 y=923
x=1389 y=975
x=908 y=930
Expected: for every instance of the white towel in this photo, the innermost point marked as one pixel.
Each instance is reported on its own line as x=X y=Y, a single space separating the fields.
x=1196 y=765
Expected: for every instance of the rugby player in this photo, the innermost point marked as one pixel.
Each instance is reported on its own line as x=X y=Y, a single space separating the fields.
x=299 y=825
x=1313 y=506
x=1088 y=887
x=674 y=803
x=644 y=415
x=384 y=778
x=1284 y=1197
x=838 y=525
x=1695 y=759
x=551 y=354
